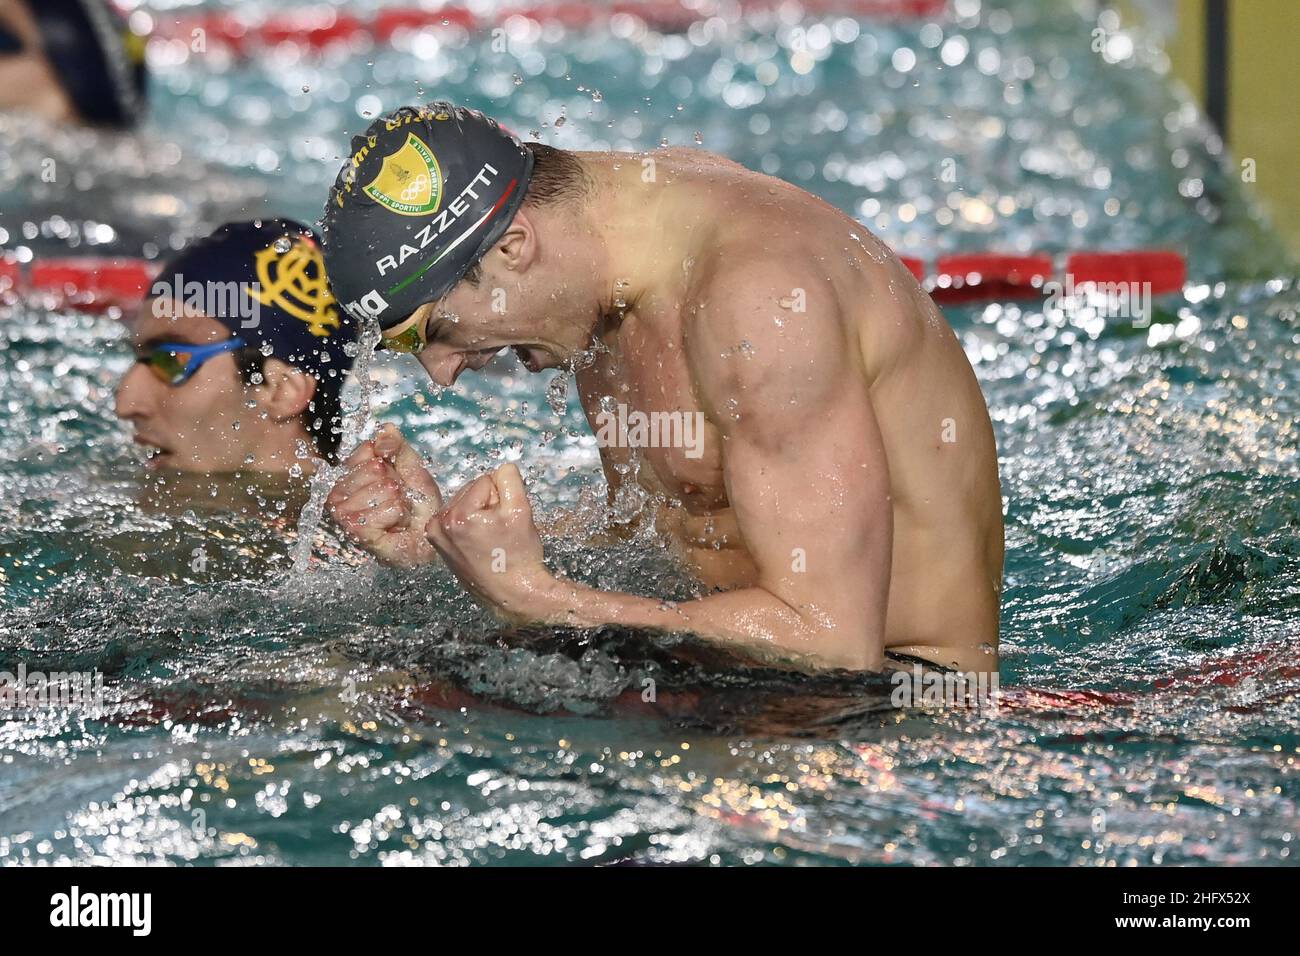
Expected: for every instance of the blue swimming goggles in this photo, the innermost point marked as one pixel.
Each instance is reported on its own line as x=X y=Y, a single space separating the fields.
x=175 y=362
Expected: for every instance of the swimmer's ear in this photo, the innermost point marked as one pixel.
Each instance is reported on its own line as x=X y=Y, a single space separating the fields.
x=285 y=391
x=518 y=247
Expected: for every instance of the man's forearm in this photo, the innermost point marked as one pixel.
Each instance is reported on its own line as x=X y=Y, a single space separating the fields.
x=752 y=619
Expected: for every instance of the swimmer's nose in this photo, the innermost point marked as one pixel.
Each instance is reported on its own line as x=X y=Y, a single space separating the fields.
x=133 y=400
x=444 y=367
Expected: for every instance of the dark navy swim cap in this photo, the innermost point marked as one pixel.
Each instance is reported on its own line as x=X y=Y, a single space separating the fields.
x=98 y=59
x=424 y=195
x=265 y=281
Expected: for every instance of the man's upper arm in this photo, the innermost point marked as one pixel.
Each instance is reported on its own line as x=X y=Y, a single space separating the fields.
x=779 y=373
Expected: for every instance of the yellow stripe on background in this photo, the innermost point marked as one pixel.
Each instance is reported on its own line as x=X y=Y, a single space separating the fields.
x=1263 y=107
x=1187 y=47
x=1262 y=102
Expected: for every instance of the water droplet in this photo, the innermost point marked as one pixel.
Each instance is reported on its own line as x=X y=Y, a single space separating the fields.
x=557 y=394
x=283 y=245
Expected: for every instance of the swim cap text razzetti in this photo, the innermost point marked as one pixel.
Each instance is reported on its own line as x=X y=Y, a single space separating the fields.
x=424 y=195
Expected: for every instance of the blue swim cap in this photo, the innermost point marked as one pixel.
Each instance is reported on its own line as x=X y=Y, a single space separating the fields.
x=265 y=281
x=424 y=195
x=98 y=59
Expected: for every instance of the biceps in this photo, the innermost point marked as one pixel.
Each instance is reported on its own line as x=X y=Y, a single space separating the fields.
x=815 y=510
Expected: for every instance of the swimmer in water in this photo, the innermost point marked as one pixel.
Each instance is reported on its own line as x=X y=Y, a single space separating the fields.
x=241 y=352
x=71 y=61
x=841 y=494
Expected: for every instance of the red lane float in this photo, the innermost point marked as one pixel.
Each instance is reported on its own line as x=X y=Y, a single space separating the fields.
x=983 y=277
x=95 y=284
x=969 y=277
x=125 y=279
x=1164 y=269
x=388 y=23
x=87 y=283
x=320 y=28
x=1265 y=670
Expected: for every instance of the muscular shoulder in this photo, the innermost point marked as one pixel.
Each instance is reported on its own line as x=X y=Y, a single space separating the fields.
x=762 y=333
x=696 y=156
x=753 y=292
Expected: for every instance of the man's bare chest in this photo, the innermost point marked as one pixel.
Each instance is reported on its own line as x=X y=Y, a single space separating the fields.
x=642 y=407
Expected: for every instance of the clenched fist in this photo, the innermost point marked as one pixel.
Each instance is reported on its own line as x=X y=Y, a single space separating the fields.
x=487 y=537
x=385 y=499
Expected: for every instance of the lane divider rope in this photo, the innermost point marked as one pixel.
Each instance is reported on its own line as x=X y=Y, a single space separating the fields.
x=321 y=28
x=95 y=284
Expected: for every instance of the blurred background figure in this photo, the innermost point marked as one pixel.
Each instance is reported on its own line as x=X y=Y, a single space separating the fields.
x=71 y=61
x=88 y=167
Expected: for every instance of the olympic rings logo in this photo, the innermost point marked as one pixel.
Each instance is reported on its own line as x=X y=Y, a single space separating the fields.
x=416 y=188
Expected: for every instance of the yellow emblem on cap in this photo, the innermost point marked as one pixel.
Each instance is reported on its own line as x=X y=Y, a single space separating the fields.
x=294 y=280
x=409 y=181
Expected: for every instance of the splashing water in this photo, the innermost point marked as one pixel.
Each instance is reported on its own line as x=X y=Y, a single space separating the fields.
x=557 y=389
x=1152 y=703
x=355 y=420
x=557 y=393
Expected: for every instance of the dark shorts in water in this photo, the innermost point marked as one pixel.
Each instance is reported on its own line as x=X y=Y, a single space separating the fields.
x=633 y=674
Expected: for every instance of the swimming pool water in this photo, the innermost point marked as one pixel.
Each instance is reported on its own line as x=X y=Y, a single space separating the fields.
x=1152 y=600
